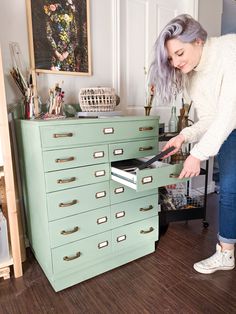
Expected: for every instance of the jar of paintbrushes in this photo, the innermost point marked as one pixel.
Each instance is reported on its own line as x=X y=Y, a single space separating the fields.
x=183 y=118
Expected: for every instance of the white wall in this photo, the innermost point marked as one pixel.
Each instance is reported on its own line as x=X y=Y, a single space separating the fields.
x=13 y=25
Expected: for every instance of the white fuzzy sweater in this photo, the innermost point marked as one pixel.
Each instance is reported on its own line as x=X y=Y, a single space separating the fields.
x=213 y=91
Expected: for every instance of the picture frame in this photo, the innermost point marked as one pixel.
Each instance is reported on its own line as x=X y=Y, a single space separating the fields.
x=59 y=36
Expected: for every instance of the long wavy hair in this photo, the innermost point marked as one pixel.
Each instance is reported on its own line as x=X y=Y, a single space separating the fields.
x=169 y=81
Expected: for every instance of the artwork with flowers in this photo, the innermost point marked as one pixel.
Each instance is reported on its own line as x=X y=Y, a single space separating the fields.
x=59 y=34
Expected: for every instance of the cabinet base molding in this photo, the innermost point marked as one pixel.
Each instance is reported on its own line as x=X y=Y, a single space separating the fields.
x=68 y=280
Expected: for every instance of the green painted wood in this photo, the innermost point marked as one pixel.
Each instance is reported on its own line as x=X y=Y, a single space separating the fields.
x=45 y=217
x=31 y=166
x=77 y=200
x=80 y=226
x=74 y=157
x=70 y=178
x=133 y=210
x=135 y=149
x=120 y=192
x=92 y=248
x=77 y=134
x=123 y=238
x=96 y=267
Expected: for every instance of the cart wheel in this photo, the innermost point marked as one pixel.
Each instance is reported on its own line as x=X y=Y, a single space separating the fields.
x=205 y=224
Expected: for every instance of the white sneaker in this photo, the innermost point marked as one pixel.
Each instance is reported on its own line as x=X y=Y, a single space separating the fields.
x=221 y=260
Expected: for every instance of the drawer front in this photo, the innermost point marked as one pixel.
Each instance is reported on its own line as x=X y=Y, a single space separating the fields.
x=74 y=134
x=77 y=200
x=148 y=179
x=80 y=226
x=135 y=234
x=120 y=193
x=70 y=178
x=134 y=149
x=82 y=252
x=130 y=211
x=74 y=157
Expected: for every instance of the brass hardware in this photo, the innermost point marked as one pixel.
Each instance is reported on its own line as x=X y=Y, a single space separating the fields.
x=102 y=244
x=100 y=194
x=64 y=159
x=142 y=149
x=101 y=220
x=118 y=151
x=119 y=190
x=146 y=180
x=71 y=258
x=61 y=181
x=145 y=128
x=108 y=130
x=120 y=214
x=143 y=209
x=147 y=231
x=100 y=173
x=63 y=232
x=174 y=175
x=68 y=204
x=121 y=238
x=57 y=135
x=98 y=154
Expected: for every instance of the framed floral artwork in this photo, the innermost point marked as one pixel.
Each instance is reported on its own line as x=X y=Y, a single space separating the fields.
x=59 y=36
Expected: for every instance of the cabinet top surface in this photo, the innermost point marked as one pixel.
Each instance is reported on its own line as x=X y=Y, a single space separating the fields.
x=88 y=120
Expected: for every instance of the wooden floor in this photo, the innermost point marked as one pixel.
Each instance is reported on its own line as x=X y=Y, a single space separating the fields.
x=162 y=282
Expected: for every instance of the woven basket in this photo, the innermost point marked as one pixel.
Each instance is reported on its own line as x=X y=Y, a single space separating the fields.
x=97 y=99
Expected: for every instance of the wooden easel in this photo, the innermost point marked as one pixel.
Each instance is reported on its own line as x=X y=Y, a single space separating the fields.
x=12 y=211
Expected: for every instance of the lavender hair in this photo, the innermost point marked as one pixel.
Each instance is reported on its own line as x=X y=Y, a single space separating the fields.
x=169 y=81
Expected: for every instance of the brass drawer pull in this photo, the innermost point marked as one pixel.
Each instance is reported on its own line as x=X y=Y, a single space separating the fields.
x=143 y=209
x=108 y=130
x=63 y=232
x=68 y=204
x=58 y=135
x=98 y=154
x=145 y=128
x=71 y=258
x=147 y=231
x=102 y=244
x=142 y=149
x=61 y=181
x=58 y=160
x=101 y=220
x=174 y=175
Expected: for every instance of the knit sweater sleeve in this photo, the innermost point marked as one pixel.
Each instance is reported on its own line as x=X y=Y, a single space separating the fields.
x=222 y=124
x=213 y=129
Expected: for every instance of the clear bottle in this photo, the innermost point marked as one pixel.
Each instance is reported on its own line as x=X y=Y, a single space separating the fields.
x=173 y=122
x=4 y=245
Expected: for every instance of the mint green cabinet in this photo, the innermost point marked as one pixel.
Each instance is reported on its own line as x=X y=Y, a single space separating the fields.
x=80 y=222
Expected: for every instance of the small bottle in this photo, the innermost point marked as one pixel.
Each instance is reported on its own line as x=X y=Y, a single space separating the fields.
x=4 y=245
x=173 y=122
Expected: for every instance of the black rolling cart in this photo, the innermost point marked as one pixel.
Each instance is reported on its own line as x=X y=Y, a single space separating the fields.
x=193 y=208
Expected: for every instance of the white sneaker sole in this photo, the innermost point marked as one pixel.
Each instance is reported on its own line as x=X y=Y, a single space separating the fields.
x=212 y=270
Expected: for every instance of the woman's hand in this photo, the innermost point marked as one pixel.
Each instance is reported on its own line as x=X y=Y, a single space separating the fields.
x=59 y=56
x=191 y=167
x=177 y=142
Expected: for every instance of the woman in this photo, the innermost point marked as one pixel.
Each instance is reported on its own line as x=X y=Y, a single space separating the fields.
x=187 y=61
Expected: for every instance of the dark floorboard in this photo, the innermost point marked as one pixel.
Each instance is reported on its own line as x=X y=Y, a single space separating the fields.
x=162 y=282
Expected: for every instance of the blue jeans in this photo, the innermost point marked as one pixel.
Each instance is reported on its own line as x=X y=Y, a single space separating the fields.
x=227 y=172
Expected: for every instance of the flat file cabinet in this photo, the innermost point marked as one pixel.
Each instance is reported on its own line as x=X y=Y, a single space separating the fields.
x=80 y=222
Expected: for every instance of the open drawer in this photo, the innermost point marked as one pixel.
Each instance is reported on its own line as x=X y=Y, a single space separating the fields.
x=156 y=175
